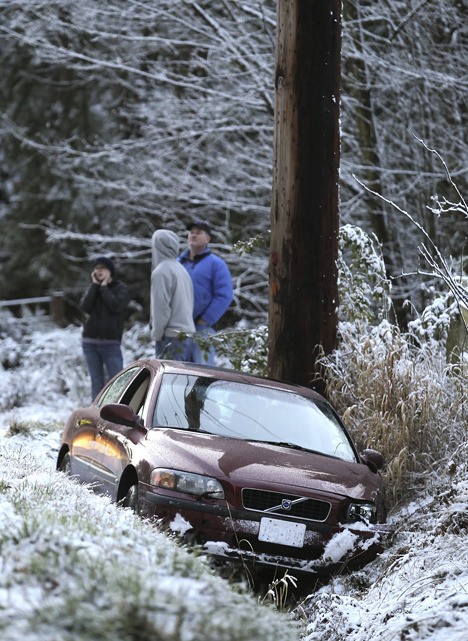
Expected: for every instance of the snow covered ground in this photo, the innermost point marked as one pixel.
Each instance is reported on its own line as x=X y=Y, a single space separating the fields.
x=417 y=589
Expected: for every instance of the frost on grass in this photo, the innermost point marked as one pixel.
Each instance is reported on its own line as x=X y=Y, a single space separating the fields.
x=416 y=590
x=76 y=567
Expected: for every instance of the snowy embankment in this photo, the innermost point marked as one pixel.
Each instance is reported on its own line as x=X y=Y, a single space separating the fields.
x=77 y=568
x=417 y=589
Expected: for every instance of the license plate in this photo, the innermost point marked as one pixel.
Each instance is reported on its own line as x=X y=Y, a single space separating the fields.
x=282 y=532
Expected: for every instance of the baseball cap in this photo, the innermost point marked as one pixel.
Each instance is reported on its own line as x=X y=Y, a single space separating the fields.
x=201 y=224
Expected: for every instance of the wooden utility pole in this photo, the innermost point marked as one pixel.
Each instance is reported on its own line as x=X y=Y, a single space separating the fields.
x=304 y=213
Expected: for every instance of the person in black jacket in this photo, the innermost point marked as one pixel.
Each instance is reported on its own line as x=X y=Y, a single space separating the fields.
x=104 y=303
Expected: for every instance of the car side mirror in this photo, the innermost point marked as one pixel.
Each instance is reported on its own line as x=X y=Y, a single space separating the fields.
x=373 y=459
x=122 y=415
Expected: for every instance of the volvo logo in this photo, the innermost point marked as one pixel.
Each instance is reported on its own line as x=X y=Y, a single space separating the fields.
x=286 y=504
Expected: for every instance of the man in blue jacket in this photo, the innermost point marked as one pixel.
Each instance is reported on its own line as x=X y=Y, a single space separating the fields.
x=212 y=286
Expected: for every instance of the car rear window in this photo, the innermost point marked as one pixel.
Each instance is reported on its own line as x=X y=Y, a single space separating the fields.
x=250 y=412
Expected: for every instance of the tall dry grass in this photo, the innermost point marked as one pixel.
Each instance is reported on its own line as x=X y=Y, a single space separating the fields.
x=402 y=400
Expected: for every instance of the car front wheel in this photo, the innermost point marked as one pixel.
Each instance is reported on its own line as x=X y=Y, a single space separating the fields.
x=131 y=499
x=65 y=464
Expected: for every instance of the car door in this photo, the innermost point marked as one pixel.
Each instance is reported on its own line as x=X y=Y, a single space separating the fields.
x=83 y=443
x=115 y=444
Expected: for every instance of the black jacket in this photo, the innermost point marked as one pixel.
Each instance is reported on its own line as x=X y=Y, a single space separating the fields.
x=105 y=307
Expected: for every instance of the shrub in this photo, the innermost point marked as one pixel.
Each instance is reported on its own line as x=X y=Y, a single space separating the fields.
x=363 y=286
x=399 y=399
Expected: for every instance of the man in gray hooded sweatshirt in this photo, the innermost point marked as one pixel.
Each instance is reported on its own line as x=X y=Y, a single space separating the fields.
x=171 y=299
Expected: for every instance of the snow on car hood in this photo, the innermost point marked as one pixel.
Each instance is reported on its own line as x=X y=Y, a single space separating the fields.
x=244 y=462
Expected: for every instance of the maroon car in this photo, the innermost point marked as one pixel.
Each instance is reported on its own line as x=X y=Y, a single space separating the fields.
x=244 y=467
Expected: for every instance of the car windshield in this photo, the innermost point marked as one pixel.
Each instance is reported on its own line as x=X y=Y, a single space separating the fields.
x=250 y=412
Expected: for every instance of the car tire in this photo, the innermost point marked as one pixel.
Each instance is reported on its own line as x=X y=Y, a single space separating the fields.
x=65 y=464
x=131 y=498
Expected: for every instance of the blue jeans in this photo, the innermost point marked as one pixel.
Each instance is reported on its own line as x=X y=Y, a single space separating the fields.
x=199 y=354
x=104 y=360
x=174 y=349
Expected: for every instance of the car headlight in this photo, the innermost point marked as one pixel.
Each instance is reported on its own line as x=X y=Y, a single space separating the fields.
x=365 y=512
x=187 y=482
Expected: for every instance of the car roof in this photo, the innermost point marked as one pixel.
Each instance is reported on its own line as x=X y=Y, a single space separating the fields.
x=195 y=369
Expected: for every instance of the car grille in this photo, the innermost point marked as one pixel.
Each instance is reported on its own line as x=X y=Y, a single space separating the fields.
x=277 y=503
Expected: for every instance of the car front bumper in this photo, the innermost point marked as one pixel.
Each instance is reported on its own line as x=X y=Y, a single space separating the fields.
x=232 y=535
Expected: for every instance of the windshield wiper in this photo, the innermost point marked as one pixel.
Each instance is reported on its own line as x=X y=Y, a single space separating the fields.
x=292 y=446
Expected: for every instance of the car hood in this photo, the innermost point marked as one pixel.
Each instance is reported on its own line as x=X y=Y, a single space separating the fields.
x=244 y=462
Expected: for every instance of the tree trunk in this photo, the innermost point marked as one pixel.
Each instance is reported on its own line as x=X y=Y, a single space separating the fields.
x=304 y=213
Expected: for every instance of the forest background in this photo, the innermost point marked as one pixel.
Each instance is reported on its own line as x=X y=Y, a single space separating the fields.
x=122 y=118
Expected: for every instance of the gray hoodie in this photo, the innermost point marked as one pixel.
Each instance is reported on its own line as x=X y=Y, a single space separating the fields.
x=171 y=289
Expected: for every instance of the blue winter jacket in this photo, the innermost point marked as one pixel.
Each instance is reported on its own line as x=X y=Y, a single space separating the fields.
x=212 y=285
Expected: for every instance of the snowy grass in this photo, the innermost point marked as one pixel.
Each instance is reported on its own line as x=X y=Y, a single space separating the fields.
x=77 y=567
x=404 y=402
x=416 y=590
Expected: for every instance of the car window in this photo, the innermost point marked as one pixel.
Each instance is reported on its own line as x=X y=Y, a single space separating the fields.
x=250 y=412
x=113 y=393
x=135 y=394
